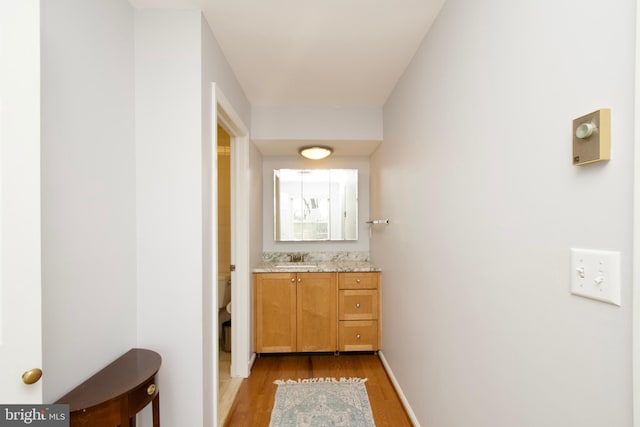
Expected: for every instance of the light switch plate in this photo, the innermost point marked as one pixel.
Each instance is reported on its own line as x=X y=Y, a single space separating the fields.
x=597 y=145
x=596 y=274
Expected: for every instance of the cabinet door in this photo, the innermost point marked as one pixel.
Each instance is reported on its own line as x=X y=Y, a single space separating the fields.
x=275 y=313
x=317 y=312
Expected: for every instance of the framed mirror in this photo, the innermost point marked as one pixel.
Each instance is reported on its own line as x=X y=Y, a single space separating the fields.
x=315 y=204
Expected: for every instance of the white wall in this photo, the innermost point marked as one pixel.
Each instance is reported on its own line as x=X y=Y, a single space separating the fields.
x=209 y=233
x=124 y=190
x=289 y=162
x=256 y=219
x=476 y=175
x=353 y=132
x=217 y=69
x=88 y=191
x=176 y=169
x=256 y=202
x=168 y=89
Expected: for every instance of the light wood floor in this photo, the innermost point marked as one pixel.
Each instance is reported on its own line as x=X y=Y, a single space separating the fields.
x=254 y=401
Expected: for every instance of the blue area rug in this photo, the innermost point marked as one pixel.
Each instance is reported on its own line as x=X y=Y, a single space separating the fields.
x=322 y=402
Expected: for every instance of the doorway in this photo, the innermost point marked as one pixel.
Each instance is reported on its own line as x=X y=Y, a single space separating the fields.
x=227 y=386
x=238 y=148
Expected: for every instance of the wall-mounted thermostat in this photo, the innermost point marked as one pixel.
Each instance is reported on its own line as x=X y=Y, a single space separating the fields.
x=592 y=137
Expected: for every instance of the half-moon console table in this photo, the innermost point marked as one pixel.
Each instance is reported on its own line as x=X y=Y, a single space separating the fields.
x=114 y=396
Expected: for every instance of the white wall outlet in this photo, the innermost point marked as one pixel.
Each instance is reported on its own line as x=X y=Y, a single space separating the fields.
x=596 y=275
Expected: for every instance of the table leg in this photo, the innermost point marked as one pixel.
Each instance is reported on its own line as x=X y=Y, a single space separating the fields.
x=156 y=410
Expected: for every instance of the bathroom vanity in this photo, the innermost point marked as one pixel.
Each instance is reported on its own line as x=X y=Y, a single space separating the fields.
x=326 y=307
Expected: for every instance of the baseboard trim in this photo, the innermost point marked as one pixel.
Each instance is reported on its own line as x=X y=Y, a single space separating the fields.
x=252 y=360
x=401 y=395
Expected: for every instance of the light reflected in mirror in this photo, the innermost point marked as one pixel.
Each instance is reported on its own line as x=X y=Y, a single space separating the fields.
x=315 y=204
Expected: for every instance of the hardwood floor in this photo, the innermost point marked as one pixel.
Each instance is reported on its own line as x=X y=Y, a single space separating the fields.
x=254 y=401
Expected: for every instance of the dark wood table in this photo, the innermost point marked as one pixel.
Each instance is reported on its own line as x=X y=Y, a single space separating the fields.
x=114 y=396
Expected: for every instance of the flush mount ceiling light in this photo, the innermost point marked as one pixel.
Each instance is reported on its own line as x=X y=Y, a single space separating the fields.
x=315 y=152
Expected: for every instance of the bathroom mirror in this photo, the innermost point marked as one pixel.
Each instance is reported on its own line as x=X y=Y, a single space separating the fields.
x=315 y=204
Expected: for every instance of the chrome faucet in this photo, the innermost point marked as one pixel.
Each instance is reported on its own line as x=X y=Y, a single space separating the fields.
x=296 y=258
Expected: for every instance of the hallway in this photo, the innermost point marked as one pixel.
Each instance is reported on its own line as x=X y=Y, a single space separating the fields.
x=254 y=401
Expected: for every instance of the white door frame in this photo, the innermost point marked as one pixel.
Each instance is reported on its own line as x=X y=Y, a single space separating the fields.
x=635 y=327
x=241 y=357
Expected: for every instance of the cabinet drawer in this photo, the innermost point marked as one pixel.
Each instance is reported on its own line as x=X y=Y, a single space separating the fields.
x=358 y=280
x=106 y=414
x=358 y=335
x=358 y=304
x=140 y=397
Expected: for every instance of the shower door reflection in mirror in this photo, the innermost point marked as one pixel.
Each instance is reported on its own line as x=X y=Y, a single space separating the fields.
x=315 y=204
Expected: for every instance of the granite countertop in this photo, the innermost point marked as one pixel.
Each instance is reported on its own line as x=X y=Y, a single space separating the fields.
x=316 y=267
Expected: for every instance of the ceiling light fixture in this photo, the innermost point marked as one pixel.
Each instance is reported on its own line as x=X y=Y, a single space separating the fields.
x=315 y=152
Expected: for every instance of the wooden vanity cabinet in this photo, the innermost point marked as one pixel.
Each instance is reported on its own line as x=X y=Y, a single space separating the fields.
x=295 y=312
x=359 y=311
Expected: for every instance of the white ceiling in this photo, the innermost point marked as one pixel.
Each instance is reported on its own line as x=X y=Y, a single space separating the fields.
x=320 y=53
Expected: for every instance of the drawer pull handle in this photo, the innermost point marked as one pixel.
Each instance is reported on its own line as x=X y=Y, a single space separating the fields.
x=358 y=336
x=357 y=280
x=357 y=305
x=151 y=389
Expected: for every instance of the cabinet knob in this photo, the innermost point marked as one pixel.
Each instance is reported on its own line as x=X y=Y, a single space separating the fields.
x=357 y=305
x=299 y=280
x=358 y=336
x=32 y=376
x=293 y=280
x=151 y=389
x=357 y=280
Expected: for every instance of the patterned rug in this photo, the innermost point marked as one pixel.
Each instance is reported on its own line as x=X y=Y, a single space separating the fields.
x=322 y=402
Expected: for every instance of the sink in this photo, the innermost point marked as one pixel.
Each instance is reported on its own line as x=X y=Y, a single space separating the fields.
x=296 y=265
